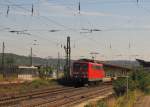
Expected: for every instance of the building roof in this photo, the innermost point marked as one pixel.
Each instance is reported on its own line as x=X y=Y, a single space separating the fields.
x=27 y=67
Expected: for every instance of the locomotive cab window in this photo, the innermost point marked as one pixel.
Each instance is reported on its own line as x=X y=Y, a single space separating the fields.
x=96 y=67
x=84 y=67
x=80 y=66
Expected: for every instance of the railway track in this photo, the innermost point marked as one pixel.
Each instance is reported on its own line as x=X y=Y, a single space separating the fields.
x=31 y=95
x=55 y=97
x=78 y=97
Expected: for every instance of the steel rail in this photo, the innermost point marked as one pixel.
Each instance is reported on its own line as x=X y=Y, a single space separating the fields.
x=41 y=93
x=51 y=101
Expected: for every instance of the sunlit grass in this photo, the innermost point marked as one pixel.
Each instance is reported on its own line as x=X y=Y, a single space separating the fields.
x=121 y=101
x=28 y=86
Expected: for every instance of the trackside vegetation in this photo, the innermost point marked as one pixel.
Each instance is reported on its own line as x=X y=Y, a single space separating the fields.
x=138 y=79
x=28 y=86
x=138 y=85
x=121 y=101
x=97 y=104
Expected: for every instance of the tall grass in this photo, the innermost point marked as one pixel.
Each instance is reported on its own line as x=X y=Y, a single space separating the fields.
x=28 y=86
x=97 y=104
x=120 y=101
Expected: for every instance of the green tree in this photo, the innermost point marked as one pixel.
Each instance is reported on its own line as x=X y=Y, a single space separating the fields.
x=10 y=61
x=45 y=71
x=139 y=79
x=119 y=86
x=143 y=79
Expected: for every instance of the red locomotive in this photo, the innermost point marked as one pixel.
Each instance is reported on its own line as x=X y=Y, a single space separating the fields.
x=87 y=71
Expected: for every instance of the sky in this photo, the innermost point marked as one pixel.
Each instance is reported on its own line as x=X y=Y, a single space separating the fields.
x=122 y=28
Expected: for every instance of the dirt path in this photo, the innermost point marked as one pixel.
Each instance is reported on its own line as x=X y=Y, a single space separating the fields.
x=143 y=102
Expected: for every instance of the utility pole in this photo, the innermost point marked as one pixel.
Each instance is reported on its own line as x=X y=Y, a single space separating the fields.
x=68 y=59
x=79 y=8
x=32 y=10
x=31 y=58
x=3 y=55
x=8 y=8
x=137 y=1
x=3 y=51
x=127 y=84
x=58 y=66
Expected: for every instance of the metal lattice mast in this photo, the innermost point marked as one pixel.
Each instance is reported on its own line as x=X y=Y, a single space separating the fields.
x=31 y=62
x=68 y=59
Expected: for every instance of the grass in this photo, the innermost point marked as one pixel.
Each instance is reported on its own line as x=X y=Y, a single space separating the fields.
x=128 y=101
x=1 y=77
x=38 y=83
x=122 y=101
x=97 y=104
x=13 y=77
x=28 y=86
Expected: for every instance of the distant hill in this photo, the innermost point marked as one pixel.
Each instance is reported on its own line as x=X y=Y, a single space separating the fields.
x=25 y=60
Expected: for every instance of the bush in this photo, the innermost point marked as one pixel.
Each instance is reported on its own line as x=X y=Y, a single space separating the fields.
x=147 y=90
x=39 y=83
x=137 y=80
x=143 y=79
x=119 y=86
x=88 y=105
x=98 y=104
x=101 y=104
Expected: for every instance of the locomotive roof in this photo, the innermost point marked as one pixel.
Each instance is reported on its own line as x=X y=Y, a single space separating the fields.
x=88 y=61
x=104 y=63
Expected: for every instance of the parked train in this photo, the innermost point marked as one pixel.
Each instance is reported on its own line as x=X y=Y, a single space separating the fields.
x=87 y=71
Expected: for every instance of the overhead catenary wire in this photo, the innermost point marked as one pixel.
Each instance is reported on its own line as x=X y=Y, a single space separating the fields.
x=55 y=22
x=45 y=17
x=25 y=31
x=51 y=41
x=18 y=6
x=140 y=6
x=48 y=19
x=59 y=23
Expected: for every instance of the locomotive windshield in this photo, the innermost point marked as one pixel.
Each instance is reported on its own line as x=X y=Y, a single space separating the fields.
x=96 y=67
x=80 y=66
